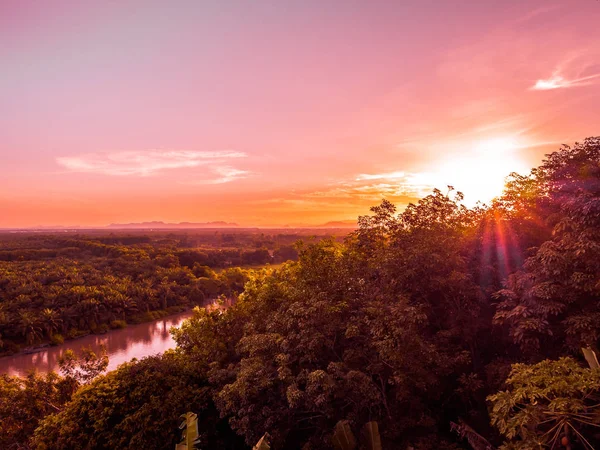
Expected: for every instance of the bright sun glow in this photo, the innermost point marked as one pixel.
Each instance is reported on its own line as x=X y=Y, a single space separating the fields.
x=480 y=173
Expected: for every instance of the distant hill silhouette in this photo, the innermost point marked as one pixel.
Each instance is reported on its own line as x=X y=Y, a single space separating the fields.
x=339 y=224
x=163 y=225
x=351 y=224
x=159 y=225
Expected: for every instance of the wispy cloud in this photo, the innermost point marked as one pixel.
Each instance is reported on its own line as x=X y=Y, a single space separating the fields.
x=536 y=13
x=557 y=81
x=224 y=174
x=372 y=187
x=148 y=163
x=380 y=176
x=229 y=174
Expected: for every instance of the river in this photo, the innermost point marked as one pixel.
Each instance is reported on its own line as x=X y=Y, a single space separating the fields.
x=134 y=341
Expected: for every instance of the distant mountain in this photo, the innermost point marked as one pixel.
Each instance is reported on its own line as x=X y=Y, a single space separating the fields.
x=351 y=224
x=43 y=228
x=339 y=224
x=170 y=226
x=159 y=225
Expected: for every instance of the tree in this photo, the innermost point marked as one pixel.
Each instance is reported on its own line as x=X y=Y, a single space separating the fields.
x=29 y=326
x=308 y=346
x=137 y=405
x=554 y=302
x=81 y=369
x=549 y=403
x=51 y=321
x=24 y=402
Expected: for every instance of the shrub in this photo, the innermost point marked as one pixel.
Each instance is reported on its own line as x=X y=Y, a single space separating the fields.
x=75 y=333
x=118 y=324
x=57 y=339
x=102 y=328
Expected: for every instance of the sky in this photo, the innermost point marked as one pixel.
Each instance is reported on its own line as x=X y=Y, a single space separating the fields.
x=271 y=113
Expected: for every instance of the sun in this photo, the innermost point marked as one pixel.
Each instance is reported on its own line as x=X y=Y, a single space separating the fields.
x=479 y=172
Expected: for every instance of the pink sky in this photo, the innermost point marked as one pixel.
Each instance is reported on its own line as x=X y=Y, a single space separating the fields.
x=271 y=113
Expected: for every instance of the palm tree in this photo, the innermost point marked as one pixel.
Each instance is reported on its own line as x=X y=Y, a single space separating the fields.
x=29 y=326
x=121 y=304
x=51 y=321
x=89 y=310
x=143 y=294
x=164 y=291
x=77 y=293
x=4 y=322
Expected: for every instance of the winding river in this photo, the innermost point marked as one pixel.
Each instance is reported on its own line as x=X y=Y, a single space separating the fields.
x=135 y=341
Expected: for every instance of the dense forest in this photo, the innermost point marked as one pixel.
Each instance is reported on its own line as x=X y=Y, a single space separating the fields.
x=55 y=287
x=448 y=327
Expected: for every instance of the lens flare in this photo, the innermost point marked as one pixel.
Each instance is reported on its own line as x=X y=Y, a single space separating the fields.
x=481 y=172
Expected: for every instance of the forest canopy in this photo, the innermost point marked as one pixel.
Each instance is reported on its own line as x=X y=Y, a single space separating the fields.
x=55 y=286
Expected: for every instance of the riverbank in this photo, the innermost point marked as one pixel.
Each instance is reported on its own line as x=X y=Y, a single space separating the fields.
x=102 y=329
x=122 y=345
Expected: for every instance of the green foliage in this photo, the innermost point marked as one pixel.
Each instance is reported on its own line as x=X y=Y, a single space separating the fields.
x=546 y=402
x=475 y=440
x=83 y=285
x=84 y=367
x=80 y=284
x=118 y=324
x=137 y=406
x=57 y=339
x=346 y=333
x=25 y=401
x=554 y=301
